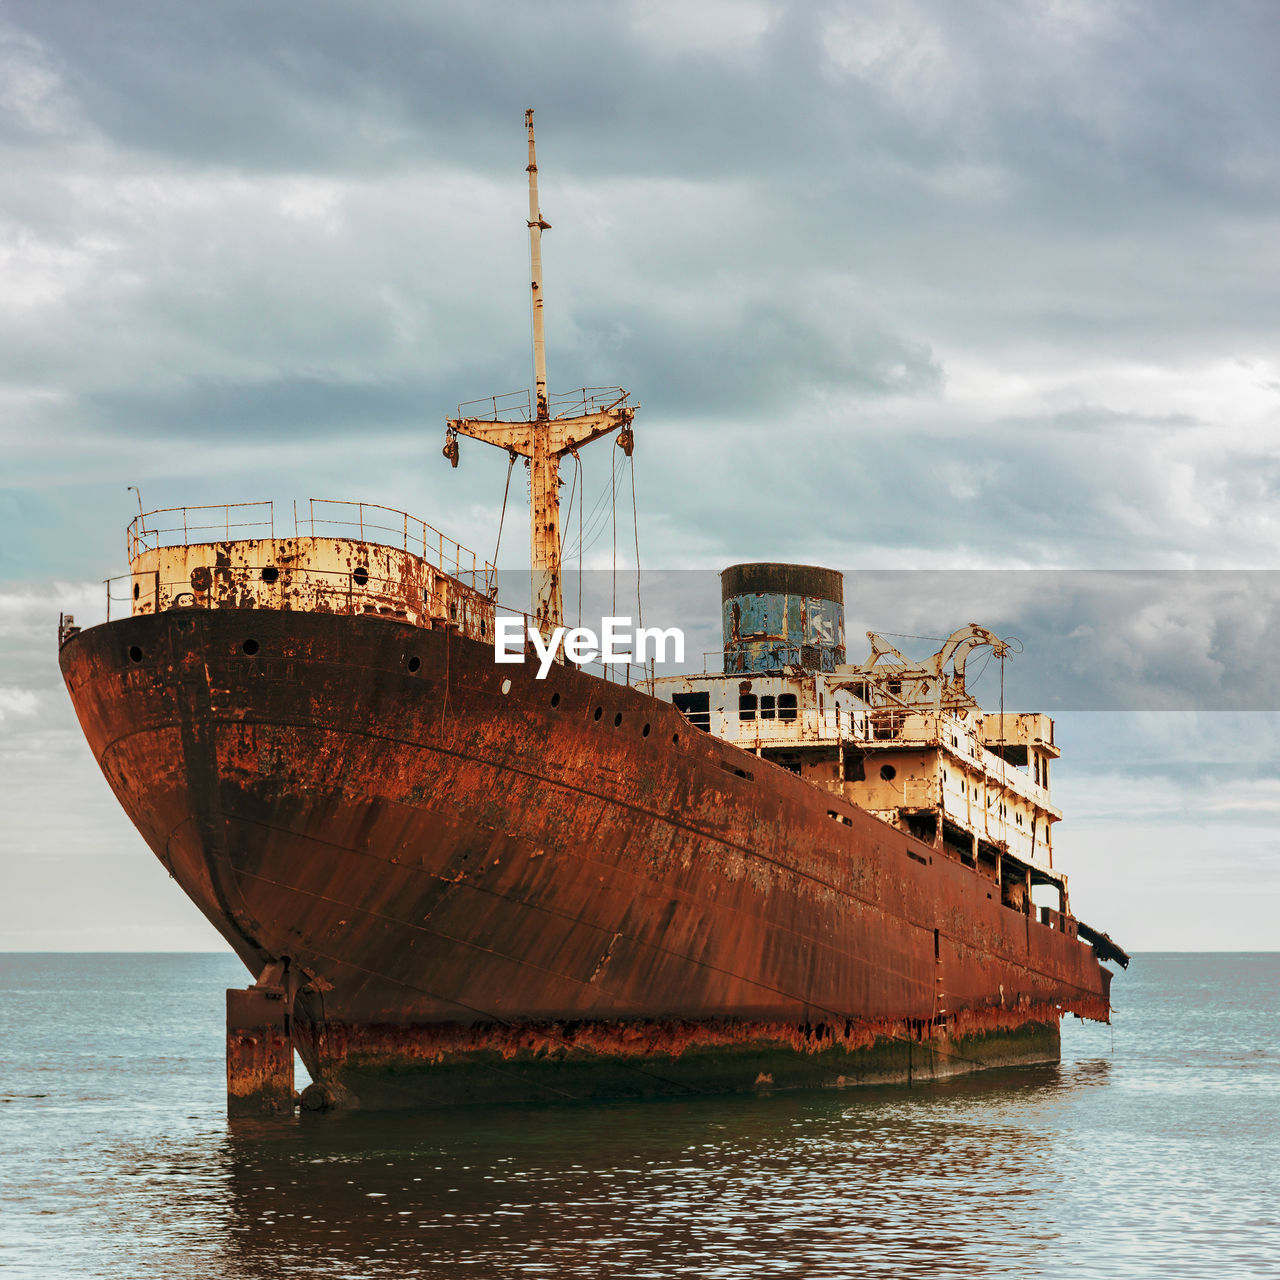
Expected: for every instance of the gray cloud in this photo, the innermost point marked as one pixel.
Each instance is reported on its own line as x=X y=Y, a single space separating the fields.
x=900 y=285
x=205 y=198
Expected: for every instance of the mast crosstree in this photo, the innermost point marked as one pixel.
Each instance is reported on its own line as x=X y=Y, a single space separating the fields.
x=543 y=439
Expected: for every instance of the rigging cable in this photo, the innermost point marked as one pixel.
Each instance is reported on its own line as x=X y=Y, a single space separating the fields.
x=506 y=490
x=969 y=684
x=902 y=635
x=572 y=489
x=580 y=505
x=1004 y=781
x=594 y=522
x=635 y=525
x=613 y=499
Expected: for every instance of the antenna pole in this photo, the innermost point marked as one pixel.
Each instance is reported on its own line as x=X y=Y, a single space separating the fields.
x=536 y=228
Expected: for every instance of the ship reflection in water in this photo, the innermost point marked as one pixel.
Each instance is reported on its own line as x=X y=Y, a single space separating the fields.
x=892 y=1181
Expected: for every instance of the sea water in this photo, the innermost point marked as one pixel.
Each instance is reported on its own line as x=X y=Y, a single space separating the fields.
x=1153 y=1150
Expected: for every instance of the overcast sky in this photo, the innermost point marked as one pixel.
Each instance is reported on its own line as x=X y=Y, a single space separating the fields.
x=928 y=286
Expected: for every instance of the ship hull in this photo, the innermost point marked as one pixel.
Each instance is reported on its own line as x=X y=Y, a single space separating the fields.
x=490 y=887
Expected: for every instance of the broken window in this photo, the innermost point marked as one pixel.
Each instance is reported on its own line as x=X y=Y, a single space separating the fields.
x=767 y=711
x=746 y=706
x=886 y=724
x=696 y=708
x=786 y=706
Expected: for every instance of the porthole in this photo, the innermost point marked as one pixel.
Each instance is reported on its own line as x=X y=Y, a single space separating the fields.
x=617 y=720
x=555 y=699
x=644 y=733
x=675 y=737
x=599 y=711
x=270 y=573
x=888 y=772
x=415 y=663
x=482 y=628
x=250 y=646
x=137 y=590
x=360 y=576
x=506 y=686
x=135 y=654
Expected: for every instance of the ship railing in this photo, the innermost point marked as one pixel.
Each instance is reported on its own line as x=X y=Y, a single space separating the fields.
x=325 y=517
x=389 y=527
x=182 y=526
x=510 y=406
x=300 y=587
x=808 y=725
x=633 y=674
x=585 y=401
x=516 y=406
x=108 y=583
x=805 y=726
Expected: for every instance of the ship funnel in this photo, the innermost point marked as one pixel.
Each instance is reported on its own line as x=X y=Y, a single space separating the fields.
x=782 y=615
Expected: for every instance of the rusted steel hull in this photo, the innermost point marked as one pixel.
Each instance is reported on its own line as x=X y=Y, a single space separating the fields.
x=394 y=1066
x=488 y=886
x=259 y=1054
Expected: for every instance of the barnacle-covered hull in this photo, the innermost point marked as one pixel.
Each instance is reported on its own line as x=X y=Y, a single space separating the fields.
x=471 y=884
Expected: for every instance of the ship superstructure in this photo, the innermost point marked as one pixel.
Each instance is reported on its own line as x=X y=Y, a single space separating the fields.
x=901 y=739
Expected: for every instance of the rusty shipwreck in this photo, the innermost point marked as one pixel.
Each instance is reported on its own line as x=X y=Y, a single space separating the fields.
x=456 y=882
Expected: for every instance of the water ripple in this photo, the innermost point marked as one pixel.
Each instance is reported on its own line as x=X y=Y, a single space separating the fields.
x=1150 y=1152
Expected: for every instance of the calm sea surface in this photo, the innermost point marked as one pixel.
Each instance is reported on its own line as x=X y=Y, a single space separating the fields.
x=1154 y=1150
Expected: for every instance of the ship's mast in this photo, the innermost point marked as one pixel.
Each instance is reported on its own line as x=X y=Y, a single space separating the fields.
x=542 y=439
x=536 y=228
